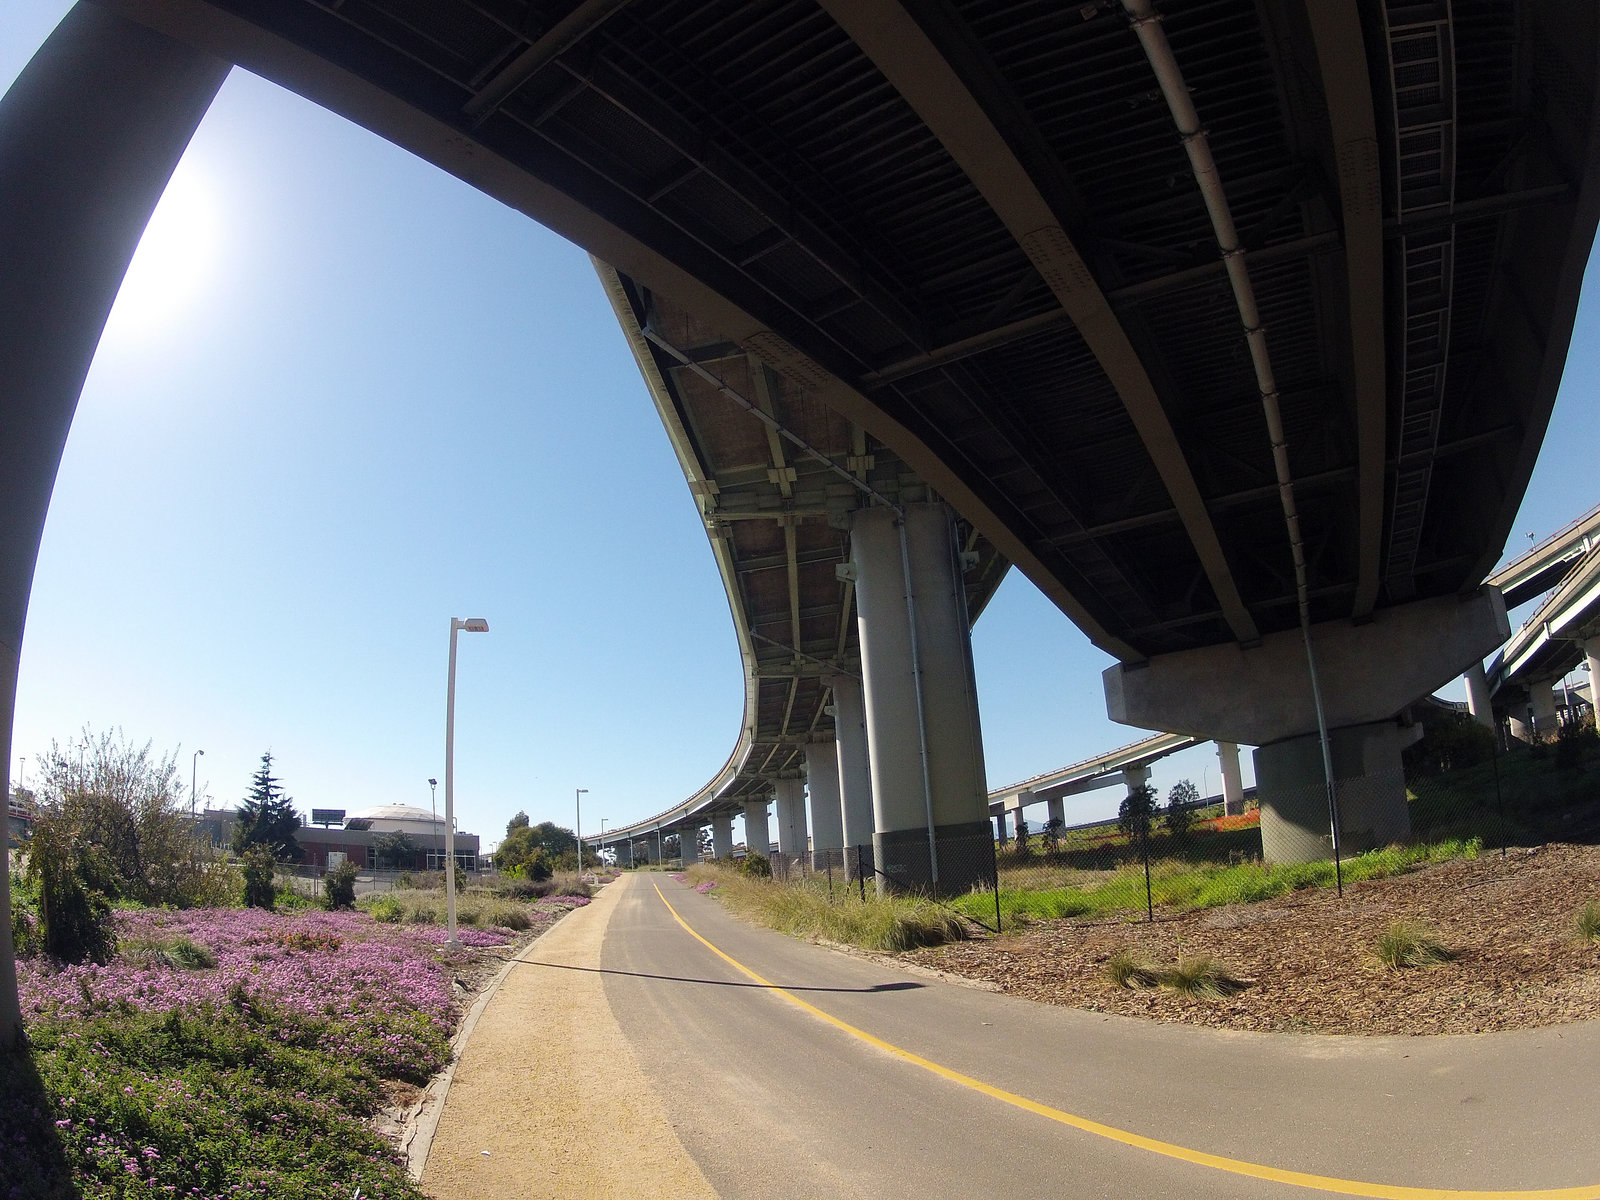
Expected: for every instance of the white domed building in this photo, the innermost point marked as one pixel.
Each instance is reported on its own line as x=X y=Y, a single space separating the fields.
x=370 y=838
x=397 y=818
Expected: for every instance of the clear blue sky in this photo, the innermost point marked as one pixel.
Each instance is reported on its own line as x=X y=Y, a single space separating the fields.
x=344 y=397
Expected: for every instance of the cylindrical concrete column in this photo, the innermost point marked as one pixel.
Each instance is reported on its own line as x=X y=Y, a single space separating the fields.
x=1542 y=701
x=1019 y=823
x=89 y=135
x=1133 y=777
x=1001 y=833
x=1369 y=782
x=822 y=790
x=1591 y=654
x=1232 y=780
x=949 y=790
x=855 y=766
x=1478 y=702
x=689 y=844
x=789 y=797
x=722 y=836
x=757 y=836
x=1056 y=812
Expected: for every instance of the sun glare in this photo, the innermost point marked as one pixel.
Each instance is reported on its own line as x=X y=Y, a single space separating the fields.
x=176 y=259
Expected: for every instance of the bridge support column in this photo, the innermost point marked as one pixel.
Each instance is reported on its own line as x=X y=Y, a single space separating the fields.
x=1056 y=812
x=789 y=796
x=1542 y=701
x=689 y=845
x=757 y=834
x=855 y=766
x=1591 y=653
x=89 y=135
x=947 y=792
x=1001 y=834
x=1232 y=781
x=1478 y=702
x=1019 y=823
x=647 y=849
x=722 y=836
x=1369 y=782
x=827 y=818
x=1261 y=696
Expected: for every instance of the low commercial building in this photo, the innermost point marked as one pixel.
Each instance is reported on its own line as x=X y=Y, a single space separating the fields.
x=387 y=836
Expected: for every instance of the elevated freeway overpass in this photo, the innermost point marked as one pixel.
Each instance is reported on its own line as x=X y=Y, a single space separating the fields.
x=1234 y=326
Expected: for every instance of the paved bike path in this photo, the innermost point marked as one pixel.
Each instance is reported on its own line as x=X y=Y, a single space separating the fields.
x=773 y=1100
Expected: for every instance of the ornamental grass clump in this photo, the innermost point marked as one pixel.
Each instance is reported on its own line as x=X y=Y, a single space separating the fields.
x=1406 y=944
x=1198 y=976
x=1589 y=921
x=181 y=953
x=1130 y=969
x=1201 y=976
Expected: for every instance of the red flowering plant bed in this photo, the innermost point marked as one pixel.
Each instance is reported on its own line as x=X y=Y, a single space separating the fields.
x=229 y=1053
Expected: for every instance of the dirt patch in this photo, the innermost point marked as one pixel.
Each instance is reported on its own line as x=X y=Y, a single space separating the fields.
x=1308 y=959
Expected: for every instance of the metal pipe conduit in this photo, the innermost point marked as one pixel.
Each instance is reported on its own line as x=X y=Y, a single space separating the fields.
x=1146 y=24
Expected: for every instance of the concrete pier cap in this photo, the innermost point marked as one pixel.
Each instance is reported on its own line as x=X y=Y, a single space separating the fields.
x=1261 y=696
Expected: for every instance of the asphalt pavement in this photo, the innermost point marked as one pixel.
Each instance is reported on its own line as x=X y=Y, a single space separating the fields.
x=912 y=1089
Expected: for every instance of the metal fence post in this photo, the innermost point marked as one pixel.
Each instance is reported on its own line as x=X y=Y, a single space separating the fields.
x=1144 y=853
x=860 y=875
x=1499 y=800
x=995 y=859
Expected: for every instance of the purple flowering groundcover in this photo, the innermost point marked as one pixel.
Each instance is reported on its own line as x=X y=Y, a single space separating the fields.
x=250 y=1078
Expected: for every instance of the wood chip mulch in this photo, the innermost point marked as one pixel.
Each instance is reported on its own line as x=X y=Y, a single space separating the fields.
x=1307 y=957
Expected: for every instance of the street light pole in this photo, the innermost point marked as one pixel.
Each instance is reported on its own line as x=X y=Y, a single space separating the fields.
x=433 y=807
x=471 y=625
x=194 y=762
x=577 y=821
x=601 y=851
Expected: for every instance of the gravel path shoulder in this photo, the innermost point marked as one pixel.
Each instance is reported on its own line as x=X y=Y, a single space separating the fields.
x=1308 y=961
x=547 y=1080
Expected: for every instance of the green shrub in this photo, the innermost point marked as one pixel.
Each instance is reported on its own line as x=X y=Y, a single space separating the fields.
x=386 y=909
x=74 y=883
x=1573 y=741
x=1589 y=921
x=521 y=888
x=755 y=866
x=257 y=866
x=1407 y=944
x=339 y=886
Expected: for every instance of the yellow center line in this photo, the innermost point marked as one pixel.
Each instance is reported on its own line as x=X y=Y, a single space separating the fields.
x=1326 y=1183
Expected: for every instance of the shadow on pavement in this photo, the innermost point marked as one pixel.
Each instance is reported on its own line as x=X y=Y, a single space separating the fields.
x=760 y=987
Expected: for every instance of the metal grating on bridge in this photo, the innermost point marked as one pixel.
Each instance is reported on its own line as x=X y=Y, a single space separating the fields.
x=1035 y=314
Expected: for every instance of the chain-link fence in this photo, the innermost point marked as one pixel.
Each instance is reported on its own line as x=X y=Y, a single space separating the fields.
x=1449 y=801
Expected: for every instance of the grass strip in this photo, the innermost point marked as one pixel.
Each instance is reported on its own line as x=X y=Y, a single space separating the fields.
x=888 y=923
x=1183 y=886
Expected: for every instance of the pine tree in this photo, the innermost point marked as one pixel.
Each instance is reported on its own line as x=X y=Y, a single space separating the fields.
x=267 y=817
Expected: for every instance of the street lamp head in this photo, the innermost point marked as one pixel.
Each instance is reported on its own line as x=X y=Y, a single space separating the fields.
x=581 y=791
x=475 y=625
x=433 y=783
